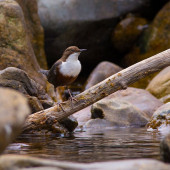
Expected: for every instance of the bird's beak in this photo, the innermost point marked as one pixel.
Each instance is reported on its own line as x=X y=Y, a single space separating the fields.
x=81 y=50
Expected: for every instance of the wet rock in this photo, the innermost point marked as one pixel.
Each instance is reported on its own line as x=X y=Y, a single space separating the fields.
x=34 y=104
x=127 y=32
x=119 y=112
x=34 y=29
x=16 y=161
x=160 y=84
x=154 y=40
x=102 y=71
x=68 y=23
x=69 y=123
x=15 y=46
x=19 y=80
x=140 y=98
x=165 y=148
x=161 y=117
x=13 y=111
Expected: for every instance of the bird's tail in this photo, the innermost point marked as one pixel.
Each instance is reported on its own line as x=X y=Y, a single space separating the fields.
x=45 y=72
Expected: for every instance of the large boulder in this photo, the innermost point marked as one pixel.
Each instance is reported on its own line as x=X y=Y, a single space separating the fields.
x=140 y=98
x=127 y=31
x=34 y=29
x=154 y=40
x=161 y=117
x=160 y=84
x=19 y=80
x=15 y=45
x=119 y=112
x=102 y=71
x=87 y=24
x=14 y=110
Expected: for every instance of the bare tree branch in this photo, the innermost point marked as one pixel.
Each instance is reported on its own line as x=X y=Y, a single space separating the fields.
x=120 y=80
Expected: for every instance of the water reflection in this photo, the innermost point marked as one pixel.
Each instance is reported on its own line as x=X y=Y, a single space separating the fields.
x=111 y=144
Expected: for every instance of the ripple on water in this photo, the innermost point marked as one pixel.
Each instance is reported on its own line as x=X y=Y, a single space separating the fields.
x=90 y=146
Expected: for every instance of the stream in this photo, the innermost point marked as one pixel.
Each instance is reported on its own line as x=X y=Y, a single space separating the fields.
x=91 y=145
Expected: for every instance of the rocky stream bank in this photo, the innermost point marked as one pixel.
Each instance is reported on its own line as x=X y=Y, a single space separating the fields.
x=133 y=31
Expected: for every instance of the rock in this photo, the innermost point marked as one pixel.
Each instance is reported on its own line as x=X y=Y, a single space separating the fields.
x=34 y=104
x=127 y=32
x=119 y=112
x=83 y=116
x=102 y=71
x=19 y=80
x=161 y=117
x=22 y=162
x=98 y=124
x=165 y=99
x=69 y=123
x=68 y=23
x=15 y=46
x=160 y=84
x=34 y=29
x=154 y=40
x=140 y=98
x=13 y=112
x=165 y=148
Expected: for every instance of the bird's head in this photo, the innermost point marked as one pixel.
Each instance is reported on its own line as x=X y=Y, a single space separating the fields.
x=72 y=53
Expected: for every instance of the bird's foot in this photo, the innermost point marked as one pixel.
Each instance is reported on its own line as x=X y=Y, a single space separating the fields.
x=60 y=105
x=72 y=99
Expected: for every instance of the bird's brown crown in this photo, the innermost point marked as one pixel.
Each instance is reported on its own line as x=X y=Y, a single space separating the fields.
x=72 y=49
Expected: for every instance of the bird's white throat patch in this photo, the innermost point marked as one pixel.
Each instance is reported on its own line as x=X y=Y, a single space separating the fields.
x=72 y=66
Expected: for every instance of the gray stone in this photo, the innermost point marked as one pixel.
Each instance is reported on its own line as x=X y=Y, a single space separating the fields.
x=119 y=112
x=13 y=111
x=102 y=71
x=19 y=80
x=140 y=98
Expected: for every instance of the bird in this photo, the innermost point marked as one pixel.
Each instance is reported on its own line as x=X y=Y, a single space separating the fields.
x=65 y=70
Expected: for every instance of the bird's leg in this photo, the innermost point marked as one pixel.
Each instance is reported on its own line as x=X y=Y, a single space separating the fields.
x=71 y=97
x=59 y=104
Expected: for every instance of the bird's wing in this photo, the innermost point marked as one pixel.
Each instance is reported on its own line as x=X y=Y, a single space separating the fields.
x=54 y=69
x=53 y=73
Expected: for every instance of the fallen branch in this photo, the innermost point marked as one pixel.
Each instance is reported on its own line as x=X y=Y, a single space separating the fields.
x=120 y=80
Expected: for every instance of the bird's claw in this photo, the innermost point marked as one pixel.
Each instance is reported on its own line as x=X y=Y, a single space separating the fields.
x=60 y=105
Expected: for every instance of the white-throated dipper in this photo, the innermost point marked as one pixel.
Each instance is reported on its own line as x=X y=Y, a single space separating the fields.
x=65 y=70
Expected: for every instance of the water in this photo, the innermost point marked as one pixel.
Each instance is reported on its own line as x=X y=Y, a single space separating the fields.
x=112 y=144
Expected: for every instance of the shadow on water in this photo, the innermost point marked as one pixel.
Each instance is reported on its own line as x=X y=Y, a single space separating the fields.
x=91 y=146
